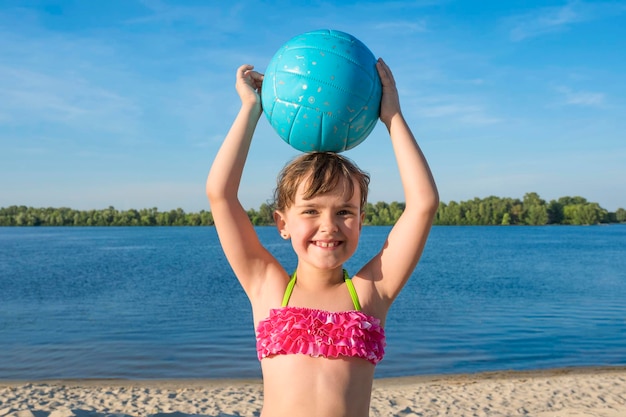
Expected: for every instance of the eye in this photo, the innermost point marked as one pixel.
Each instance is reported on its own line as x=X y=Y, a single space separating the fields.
x=309 y=212
x=345 y=212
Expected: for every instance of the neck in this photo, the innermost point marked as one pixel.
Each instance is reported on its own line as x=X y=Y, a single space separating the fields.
x=314 y=278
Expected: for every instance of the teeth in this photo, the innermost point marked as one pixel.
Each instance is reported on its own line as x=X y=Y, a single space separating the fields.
x=327 y=244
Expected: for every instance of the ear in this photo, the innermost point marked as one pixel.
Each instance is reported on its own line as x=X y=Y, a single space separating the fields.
x=281 y=224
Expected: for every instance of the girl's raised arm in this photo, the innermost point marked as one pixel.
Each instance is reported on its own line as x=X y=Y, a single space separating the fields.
x=247 y=257
x=393 y=266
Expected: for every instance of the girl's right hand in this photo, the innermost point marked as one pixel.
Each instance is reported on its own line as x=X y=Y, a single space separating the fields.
x=249 y=84
x=390 y=102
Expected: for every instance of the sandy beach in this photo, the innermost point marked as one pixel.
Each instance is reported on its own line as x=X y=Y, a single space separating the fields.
x=583 y=392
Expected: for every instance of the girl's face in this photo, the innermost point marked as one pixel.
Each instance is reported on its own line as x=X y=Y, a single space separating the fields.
x=324 y=230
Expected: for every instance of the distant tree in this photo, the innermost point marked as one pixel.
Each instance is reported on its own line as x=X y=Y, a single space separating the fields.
x=395 y=210
x=448 y=214
x=266 y=214
x=535 y=210
x=572 y=201
x=254 y=217
x=584 y=214
x=148 y=217
x=263 y=217
x=382 y=213
x=555 y=212
x=517 y=212
x=207 y=218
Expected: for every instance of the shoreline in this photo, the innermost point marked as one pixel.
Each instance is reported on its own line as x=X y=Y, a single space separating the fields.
x=559 y=392
x=482 y=375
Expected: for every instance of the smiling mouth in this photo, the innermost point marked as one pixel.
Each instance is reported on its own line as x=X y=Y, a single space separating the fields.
x=321 y=244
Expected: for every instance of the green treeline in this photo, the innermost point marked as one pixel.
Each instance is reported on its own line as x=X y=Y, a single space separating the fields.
x=29 y=216
x=531 y=210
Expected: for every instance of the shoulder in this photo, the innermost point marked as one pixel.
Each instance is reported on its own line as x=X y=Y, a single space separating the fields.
x=268 y=292
x=370 y=298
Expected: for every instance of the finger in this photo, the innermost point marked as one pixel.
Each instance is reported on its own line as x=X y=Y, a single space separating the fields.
x=241 y=71
x=256 y=76
x=385 y=73
x=382 y=67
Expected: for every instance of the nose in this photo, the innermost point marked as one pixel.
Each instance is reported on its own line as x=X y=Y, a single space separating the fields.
x=328 y=223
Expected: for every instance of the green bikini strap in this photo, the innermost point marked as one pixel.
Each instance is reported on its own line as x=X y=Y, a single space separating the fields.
x=346 y=278
x=353 y=294
x=289 y=290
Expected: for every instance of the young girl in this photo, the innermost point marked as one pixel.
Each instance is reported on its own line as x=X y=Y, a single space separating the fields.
x=320 y=330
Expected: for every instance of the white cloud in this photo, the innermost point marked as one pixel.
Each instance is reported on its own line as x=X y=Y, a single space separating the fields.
x=465 y=113
x=65 y=97
x=555 y=19
x=581 y=98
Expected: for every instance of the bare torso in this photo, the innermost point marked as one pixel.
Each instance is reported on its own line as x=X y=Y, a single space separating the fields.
x=301 y=386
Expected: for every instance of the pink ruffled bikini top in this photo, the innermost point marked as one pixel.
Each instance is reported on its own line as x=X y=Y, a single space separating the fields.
x=290 y=330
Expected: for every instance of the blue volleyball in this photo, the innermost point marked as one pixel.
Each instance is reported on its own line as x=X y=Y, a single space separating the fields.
x=321 y=91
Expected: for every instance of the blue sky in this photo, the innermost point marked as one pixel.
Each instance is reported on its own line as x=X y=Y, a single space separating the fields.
x=125 y=102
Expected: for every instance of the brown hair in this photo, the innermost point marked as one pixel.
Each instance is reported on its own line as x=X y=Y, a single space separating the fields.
x=325 y=171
